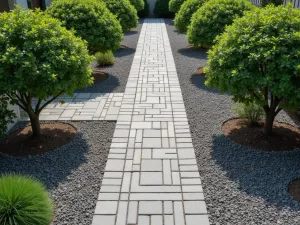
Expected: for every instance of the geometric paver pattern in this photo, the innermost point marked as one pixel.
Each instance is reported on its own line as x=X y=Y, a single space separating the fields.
x=151 y=176
x=84 y=106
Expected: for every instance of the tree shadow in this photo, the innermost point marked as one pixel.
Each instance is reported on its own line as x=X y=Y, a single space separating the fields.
x=198 y=81
x=131 y=32
x=51 y=168
x=258 y=173
x=197 y=53
x=123 y=52
x=106 y=86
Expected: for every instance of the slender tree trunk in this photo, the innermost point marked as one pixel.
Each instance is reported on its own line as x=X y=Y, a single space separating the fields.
x=35 y=124
x=269 y=120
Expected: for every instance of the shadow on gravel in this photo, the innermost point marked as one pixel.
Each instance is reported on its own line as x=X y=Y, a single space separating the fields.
x=197 y=53
x=132 y=32
x=123 y=52
x=106 y=86
x=52 y=167
x=258 y=173
x=198 y=81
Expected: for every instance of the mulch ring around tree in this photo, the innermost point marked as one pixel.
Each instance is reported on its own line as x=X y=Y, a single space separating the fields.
x=285 y=137
x=294 y=189
x=200 y=71
x=54 y=135
x=99 y=76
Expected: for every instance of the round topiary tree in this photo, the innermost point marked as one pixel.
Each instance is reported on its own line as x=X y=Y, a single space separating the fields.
x=161 y=9
x=23 y=201
x=125 y=12
x=138 y=4
x=211 y=19
x=40 y=60
x=91 y=20
x=184 y=15
x=257 y=60
x=174 y=5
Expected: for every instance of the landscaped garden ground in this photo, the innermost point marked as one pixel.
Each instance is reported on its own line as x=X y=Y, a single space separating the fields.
x=241 y=185
x=157 y=138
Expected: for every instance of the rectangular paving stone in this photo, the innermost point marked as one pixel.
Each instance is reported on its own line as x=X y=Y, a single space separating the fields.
x=150 y=207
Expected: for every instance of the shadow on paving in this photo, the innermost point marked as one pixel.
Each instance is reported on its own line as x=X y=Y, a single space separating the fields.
x=258 y=173
x=52 y=168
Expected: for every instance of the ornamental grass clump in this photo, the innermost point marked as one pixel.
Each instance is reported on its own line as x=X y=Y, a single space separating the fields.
x=184 y=15
x=251 y=112
x=39 y=61
x=105 y=58
x=210 y=20
x=138 y=4
x=124 y=11
x=91 y=20
x=174 y=5
x=24 y=201
x=256 y=60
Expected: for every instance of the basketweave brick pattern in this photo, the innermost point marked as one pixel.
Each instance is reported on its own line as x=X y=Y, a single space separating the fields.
x=151 y=176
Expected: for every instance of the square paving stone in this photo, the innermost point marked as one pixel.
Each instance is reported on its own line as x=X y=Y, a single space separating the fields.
x=151 y=165
x=151 y=142
x=106 y=207
x=197 y=220
x=150 y=207
x=151 y=178
x=103 y=219
x=195 y=207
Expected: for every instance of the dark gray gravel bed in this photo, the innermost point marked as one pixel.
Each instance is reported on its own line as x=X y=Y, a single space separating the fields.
x=241 y=185
x=72 y=173
x=119 y=72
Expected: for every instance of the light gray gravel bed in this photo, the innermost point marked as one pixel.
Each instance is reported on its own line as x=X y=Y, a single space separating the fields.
x=119 y=72
x=72 y=173
x=242 y=186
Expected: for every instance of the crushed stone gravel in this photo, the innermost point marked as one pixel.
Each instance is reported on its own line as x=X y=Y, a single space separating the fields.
x=242 y=186
x=72 y=173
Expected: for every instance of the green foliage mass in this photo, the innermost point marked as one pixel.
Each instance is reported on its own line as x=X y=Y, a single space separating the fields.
x=174 y=5
x=211 y=19
x=145 y=12
x=275 y=2
x=24 y=201
x=257 y=60
x=91 y=21
x=252 y=112
x=40 y=58
x=125 y=12
x=184 y=15
x=105 y=58
x=161 y=9
x=6 y=115
x=138 y=4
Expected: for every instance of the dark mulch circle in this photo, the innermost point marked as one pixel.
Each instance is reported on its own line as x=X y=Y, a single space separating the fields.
x=200 y=71
x=294 y=189
x=99 y=76
x=54 y=135
x=285 y=137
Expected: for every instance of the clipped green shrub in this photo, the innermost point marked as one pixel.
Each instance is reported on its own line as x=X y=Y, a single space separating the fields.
x=174 y=5
x=145 y=12
x=6 y=115
x=161 y=9
x=91 y=20
x=251 y=111
x=256 y=59
x=184 y=15
x=138 y=4
x=211 y=19
x=40 y=59
x=23 y=201
x=125 y=12
x=275 y=2
x=105 y=58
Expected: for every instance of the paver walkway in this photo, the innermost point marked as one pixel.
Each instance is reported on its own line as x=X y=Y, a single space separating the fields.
x=151 y=176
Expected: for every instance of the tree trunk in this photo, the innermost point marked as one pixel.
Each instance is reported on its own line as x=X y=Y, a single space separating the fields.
x=35 y=125
x=270 y=116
